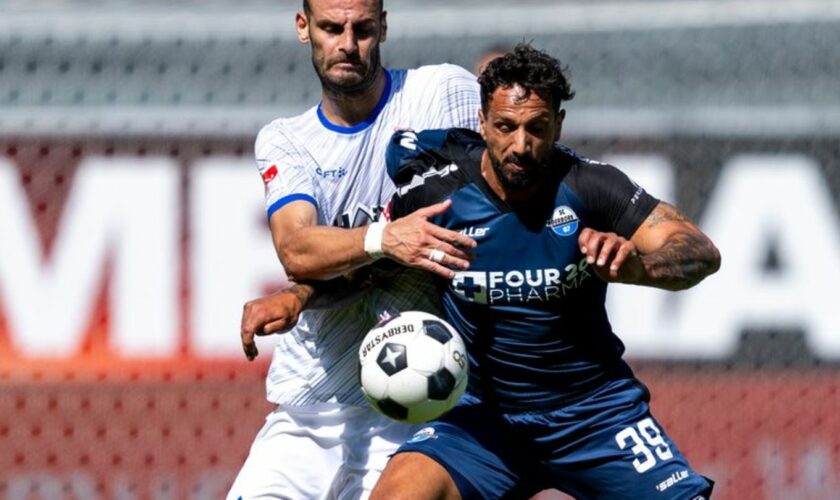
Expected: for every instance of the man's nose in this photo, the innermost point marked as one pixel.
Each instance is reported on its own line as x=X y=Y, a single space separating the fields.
x=348 y=42
x=521 y=142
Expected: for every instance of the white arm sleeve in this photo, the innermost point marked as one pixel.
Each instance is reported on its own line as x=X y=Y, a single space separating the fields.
x=283 y=167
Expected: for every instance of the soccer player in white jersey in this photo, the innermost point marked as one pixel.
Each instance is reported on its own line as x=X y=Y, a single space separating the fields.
x=325 y=181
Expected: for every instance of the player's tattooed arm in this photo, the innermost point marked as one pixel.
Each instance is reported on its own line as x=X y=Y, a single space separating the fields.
x=674 y=253
x=666 y=251
x=664 y=212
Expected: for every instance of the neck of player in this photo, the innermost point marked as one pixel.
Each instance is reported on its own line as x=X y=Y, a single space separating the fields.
x=509 y=196
x=347 y=110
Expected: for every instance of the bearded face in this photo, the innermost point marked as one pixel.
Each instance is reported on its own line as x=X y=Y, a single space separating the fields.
x=345 y=37
x=520 y=129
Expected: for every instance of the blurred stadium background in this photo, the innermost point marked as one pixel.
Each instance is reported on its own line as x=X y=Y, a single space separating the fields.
x=132 y=226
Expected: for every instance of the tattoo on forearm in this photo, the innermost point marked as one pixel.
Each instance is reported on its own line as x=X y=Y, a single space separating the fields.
x=682 y=262
x=663 y=213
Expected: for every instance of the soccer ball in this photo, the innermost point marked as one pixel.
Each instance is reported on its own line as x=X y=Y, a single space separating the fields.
x=413 y=367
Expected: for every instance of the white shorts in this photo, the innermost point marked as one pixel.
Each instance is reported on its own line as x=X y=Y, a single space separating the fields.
x=322 y=451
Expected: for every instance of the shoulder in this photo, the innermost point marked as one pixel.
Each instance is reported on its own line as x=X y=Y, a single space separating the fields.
x=428 y=166
x=277 y=129
x=438 y=73
x=586 y=172
x=612 y=199
x=279 y=133
x=411 y=152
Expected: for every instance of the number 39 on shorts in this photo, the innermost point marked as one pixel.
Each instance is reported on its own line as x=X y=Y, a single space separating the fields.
x=651 y=438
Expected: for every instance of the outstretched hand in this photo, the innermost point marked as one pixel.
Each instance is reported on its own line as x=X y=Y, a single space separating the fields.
x=612 y=257
x=416 y=242
x=276 y=313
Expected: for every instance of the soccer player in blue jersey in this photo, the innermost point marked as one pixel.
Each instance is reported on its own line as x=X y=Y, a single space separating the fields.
x=550 y=401
x=550 y=404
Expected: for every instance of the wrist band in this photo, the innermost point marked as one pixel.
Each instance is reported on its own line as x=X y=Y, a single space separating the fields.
x=373 y=240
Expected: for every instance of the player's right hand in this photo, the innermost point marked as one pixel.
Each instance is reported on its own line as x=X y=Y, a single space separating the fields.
x=416 y=242
x=276 y=313
x=612 y=257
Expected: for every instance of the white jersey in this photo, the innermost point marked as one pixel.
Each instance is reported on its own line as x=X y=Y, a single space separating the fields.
x=341 y=170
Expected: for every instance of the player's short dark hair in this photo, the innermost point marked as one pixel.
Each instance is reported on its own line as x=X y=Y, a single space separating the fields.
x=531 y=69
x=308 y=10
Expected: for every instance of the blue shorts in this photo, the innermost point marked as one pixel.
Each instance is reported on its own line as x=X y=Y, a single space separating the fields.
x=606 y=446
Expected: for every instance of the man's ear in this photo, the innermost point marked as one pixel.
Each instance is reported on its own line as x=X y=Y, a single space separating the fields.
x=561 y=115
x=383 y=29
x=302 y=27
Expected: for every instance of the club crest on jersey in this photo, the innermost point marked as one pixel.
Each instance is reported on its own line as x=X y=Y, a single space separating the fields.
x=422 y=435
x=564 y=221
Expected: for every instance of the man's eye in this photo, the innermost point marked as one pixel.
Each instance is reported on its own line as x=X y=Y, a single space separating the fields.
x=364 y=32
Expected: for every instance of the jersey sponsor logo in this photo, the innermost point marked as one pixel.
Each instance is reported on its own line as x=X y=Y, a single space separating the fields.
x=564 y=221
x=423 y=434
x=333 y=173
x=519 y=286
x=357 y=216
x=471 y=285
x=269 y=174
x=419 y=180
x=673 y=479
x=475 y=232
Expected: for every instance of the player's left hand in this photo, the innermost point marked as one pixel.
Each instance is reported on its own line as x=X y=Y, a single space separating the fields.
x=415 y=241
x=612 y=257
x=276 y=313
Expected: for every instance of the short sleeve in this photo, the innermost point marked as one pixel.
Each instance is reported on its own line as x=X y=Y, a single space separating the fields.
x=282 y=166
x=613 y=201
x=401 y=205
x=412 y=159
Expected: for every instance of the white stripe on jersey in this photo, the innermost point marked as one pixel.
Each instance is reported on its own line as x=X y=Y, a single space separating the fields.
x=341 y=170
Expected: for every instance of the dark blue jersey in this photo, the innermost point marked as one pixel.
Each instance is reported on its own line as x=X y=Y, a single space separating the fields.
x=529 y=308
